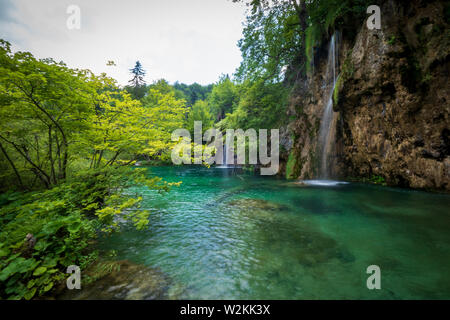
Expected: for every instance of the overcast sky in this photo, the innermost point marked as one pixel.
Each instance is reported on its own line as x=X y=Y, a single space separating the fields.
x=185 y=40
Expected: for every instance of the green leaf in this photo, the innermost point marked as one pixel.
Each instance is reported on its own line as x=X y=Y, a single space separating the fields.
x=48 y=287
x=18 y=265
x=74 y=227
x=31 y=283
x=3 y=253
x=39 y=271
x=30 y=294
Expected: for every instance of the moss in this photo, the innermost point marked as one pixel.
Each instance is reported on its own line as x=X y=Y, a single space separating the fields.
x=346 y=73
x=377 y=180
x=374 y=179
x=313 y=34
x=290 y=166
x=392 y=40
x=336 y=91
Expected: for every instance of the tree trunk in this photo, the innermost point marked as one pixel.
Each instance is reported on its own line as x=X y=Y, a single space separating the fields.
x=19 y=178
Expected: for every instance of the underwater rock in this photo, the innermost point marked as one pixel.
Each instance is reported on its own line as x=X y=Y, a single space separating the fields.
x=126 y=281
x=257 y=204
x=345 y=256
x=316 y=248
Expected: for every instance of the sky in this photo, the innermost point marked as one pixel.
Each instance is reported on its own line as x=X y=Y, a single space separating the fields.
x=178 y=40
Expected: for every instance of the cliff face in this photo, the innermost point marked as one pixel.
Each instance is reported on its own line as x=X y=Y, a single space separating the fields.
x=391 y=102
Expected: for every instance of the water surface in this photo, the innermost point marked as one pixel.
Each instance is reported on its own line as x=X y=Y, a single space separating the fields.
x=226 y=234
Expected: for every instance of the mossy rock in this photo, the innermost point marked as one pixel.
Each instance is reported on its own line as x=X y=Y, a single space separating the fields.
x=257 y=204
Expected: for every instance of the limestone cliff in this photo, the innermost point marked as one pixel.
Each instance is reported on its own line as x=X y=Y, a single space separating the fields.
x=391 y=102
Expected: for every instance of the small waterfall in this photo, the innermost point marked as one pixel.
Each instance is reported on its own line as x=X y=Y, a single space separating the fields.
x=327 y=125
x=224 y=164
x=225 y=155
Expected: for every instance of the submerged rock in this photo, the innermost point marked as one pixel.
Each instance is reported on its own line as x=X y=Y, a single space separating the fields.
x=258 y=204
x=126 y=281
x=321 y=249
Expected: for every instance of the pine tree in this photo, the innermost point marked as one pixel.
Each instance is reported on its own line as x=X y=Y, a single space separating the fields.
x=138 y=75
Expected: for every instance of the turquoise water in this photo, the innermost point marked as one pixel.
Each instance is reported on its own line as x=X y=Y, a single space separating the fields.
x=226 y=234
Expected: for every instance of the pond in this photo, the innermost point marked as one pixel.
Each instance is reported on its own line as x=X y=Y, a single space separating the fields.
x=229 y=234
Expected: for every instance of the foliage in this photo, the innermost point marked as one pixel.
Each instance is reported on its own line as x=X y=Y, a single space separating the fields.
x=61 y=222
x=281 y=35
x=73 y=132
x=377 y=180
x=199 y=112
x=193 y=92
x=42 y=104
x=54 y=120
x=164 y=87
x=138 y=73
x=261 y=106
x=164 y=113
x=271 y=37
x=137 y=83
x=224 y=98
x=136 y=92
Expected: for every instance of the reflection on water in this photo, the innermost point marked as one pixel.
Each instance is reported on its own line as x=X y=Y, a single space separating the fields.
x=231 y=235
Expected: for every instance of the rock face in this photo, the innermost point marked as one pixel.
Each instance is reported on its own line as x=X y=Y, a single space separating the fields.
x=391 y=102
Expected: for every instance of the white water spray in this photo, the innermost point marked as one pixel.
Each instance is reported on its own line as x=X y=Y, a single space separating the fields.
x=326 y=132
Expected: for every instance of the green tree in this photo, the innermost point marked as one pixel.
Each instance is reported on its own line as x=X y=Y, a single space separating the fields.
x=223 y=98
x=166 y=113
x=199 y=112
x=138 y=75
x=75 y=133
x=164 y=87
x=193 y=92
x=280 y=35
x=53 y=118
x=273 y=38
x=262 y=106
x=42 y=104
x=137 y=86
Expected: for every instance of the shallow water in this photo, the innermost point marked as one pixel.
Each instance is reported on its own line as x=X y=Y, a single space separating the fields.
x=226 y=234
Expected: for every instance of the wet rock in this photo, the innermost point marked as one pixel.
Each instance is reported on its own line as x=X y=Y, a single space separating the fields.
x=127 y=281
x=391 y=102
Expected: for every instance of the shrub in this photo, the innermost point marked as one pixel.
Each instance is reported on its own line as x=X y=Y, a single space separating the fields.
x=42 y=233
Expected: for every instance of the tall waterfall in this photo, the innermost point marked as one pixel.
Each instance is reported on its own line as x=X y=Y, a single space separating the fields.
x=327 y=125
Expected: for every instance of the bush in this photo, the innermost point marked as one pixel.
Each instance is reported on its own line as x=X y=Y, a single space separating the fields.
x=42 y=233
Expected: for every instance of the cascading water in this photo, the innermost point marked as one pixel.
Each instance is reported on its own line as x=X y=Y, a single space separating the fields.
x=327 y=127
x=225 y=155
x=224 y=164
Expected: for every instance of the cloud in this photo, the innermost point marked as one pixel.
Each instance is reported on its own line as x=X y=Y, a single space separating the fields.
x=5 y=10
x=189 y=41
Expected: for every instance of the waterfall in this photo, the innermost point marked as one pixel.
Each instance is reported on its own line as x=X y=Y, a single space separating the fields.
x=327 y=125
x=225 y=155
x=224 y=164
